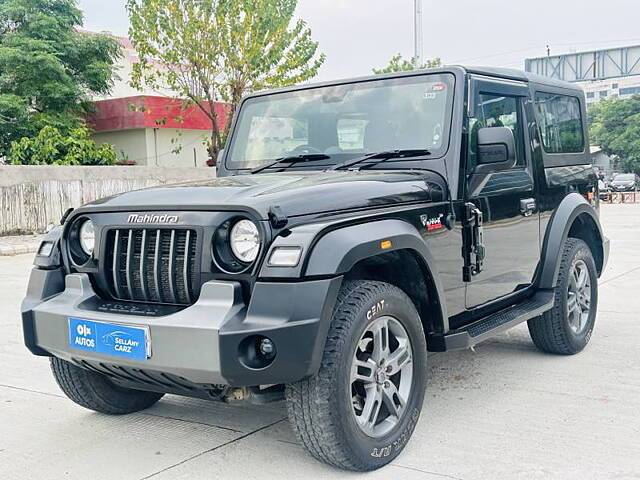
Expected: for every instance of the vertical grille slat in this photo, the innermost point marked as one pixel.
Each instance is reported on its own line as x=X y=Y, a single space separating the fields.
x=152 y=265
x=129 y=265
x=143 y=259
x=157 y=265
x=172 y=268
x=185 y=266
x=116 y=265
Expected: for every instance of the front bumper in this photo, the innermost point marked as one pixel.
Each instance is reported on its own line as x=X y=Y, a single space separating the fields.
x=197 y=347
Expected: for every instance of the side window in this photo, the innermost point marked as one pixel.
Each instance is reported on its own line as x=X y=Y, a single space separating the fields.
x=493 y=110
x=560 y=122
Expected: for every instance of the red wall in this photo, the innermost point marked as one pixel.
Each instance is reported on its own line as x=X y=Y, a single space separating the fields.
x=152 y=112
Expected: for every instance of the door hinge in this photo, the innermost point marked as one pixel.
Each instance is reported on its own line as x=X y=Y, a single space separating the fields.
x=473 y=249
x=527 y=206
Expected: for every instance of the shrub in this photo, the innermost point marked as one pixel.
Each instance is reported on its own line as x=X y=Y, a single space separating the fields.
x=50 y=147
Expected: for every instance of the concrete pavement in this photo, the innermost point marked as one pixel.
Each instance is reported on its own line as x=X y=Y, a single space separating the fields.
x=503 y=411
x=19 y=244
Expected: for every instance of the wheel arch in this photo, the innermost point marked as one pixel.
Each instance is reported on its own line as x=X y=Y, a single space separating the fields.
x=356 y=253
x=406 y=270
x=576 y=218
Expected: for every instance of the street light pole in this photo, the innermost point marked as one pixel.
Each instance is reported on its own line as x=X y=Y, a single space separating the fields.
x=418 y=31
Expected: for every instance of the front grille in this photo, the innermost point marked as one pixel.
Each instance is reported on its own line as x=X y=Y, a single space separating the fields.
x=152 y=265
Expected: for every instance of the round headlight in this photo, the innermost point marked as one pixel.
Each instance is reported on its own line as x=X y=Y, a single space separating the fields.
x=245 y=241
x=87 y=237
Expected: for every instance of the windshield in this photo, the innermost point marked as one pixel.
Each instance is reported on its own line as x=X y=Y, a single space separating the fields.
x=626 y=177
x=344 y=121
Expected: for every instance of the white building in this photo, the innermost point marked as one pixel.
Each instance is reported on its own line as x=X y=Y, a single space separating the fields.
x=623 y=87
x=603 y=162
x=612 y=72
x=151 y=127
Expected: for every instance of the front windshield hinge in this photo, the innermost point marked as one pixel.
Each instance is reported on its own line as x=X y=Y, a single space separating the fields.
x=277 y=217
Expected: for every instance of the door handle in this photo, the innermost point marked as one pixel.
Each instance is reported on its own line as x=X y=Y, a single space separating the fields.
x=527 y=206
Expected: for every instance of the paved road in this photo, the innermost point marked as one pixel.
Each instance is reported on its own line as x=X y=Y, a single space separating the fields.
x=503 y=411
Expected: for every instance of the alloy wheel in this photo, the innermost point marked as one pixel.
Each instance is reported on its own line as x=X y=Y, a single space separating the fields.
x=381 y=376
x=579 y=297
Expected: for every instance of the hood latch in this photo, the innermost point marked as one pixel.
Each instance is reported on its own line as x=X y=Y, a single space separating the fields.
x=277 y=217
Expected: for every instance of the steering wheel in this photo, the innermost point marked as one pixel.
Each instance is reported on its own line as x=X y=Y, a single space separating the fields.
x=304 y=149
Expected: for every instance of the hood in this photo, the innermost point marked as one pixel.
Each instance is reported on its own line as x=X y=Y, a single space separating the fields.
x=295 y=193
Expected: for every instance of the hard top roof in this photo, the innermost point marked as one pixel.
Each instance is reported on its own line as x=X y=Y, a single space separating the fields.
x=498 y=72
x=514 y=74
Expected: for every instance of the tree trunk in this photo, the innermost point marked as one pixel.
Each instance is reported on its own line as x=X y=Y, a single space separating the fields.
x=214 y=148
x=216 y=141
x=237 y=90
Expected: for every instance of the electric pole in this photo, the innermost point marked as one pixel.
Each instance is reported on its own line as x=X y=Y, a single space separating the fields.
x=418 y=32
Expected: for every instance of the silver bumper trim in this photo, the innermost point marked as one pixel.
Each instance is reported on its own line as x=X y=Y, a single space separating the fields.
x=184 y=343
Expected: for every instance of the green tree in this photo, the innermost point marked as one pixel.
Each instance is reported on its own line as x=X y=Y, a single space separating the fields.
x=615 y=126
x=51 y=147
x=48 y=69
x=400 y=64
x=261 y=48
x=218 y=50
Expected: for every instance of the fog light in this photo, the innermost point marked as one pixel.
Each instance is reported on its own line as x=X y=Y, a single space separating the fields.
x=256 y=352
x=285 y=256
x=267 y=348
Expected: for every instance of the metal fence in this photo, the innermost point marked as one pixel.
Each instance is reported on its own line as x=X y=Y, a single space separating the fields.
x=620 y=197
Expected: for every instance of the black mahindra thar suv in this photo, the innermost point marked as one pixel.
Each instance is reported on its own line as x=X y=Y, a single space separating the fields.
x=354 y=226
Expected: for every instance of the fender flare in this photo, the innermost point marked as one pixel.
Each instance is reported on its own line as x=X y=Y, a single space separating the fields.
x=557 y=232
x=338 y=251
x=330 y=250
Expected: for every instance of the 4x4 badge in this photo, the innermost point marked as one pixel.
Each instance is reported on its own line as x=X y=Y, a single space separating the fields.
x=431 y=223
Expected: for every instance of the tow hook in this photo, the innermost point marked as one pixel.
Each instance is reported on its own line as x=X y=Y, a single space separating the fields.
x=236 y=395
x=255 y=395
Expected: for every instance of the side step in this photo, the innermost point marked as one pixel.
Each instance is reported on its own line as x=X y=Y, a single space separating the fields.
x=499 y=322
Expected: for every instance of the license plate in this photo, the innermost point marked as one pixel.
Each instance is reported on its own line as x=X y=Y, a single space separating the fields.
x=109 y=339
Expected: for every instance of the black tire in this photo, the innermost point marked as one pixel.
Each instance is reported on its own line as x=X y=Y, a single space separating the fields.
x=95 y=392
x=552 y=332
x=320 y=408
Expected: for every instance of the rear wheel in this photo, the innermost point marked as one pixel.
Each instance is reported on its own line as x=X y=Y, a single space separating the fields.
x=360 y=410
x=566 y=329
x=95 y=392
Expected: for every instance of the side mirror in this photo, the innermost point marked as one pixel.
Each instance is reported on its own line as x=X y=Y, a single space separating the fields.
x=496 y=149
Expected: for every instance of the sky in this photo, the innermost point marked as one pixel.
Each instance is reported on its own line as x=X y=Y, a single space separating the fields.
x=358 y=35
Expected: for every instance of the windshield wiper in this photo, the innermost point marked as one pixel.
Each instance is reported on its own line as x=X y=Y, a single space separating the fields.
x=306 y=157
x=382 y=156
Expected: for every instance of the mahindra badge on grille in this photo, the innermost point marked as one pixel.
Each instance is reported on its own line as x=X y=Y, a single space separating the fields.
x=152 y=218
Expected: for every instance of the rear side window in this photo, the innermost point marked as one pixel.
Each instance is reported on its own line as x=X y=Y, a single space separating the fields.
x=560 y=121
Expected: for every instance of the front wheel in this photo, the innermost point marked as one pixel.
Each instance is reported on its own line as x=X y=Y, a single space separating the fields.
x=94 y=391
x=566 y=329
x=360 y=410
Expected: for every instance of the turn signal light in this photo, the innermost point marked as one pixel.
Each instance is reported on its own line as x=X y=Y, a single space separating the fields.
x=285 y=257
x=45 y=250
x=386 y=245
